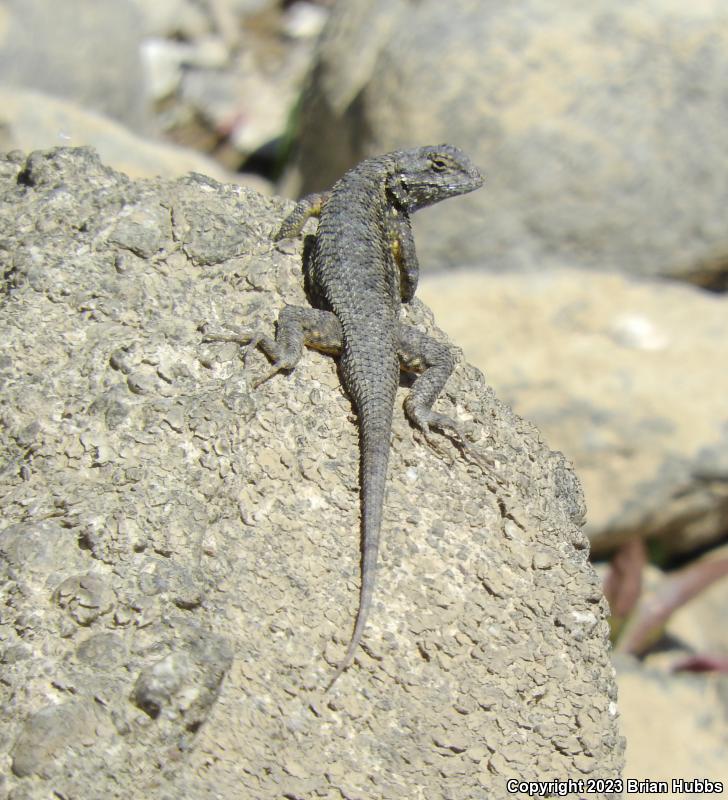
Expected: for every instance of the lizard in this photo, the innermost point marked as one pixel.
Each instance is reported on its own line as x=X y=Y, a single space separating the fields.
x=361 y=265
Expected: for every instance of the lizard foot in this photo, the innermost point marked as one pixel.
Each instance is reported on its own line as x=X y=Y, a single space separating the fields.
x=280 y=365
x=426 y=419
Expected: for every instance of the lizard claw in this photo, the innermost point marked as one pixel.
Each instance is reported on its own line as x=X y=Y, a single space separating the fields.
x=282 y=359
x=425 y=420
x=274 y=370
x=423 y=426
x=250 y=346
x=246 y=339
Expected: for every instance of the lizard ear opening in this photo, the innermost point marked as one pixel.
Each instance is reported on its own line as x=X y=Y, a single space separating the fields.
x=396 y=189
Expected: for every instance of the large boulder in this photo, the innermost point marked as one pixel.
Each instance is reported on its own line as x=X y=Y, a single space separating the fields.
x=180 y=553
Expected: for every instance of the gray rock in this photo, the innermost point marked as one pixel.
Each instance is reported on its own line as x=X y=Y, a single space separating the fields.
x=184 y=685
x=166 y=61
x=599 y=127
x=220 y=526
x=104 y=651
x=81 y=50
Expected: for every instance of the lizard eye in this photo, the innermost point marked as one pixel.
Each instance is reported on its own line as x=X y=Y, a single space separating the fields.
x=438 y=164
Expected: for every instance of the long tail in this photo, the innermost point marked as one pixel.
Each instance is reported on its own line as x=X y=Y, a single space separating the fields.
x=374 y=446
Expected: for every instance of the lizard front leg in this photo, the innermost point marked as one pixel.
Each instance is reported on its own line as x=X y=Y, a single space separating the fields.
x=296 y=327
x=402 y=245
x=308 y=206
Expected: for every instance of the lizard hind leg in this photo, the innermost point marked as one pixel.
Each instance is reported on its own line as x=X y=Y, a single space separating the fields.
x=434 y=362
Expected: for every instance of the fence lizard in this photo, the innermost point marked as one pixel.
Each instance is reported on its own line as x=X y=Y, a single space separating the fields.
x=361 y=266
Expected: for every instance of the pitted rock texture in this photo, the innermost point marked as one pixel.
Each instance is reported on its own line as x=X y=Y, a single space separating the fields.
x=180 y=554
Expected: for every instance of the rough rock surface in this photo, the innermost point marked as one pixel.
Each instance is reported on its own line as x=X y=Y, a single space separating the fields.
x=599 y=126
x=180 y=555
x=621 y=374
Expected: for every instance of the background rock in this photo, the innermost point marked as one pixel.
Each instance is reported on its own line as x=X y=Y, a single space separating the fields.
x=225 y=78
x=31 y=120
x=220 y=78
x=81 y=50
x=698 y=627
x=185 y=18
x=622 y=375
x=180 y=555
x=693 y=748
x=599 y=128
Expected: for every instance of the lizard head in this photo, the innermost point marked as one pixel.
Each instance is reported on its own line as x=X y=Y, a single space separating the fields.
x=427 y=175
